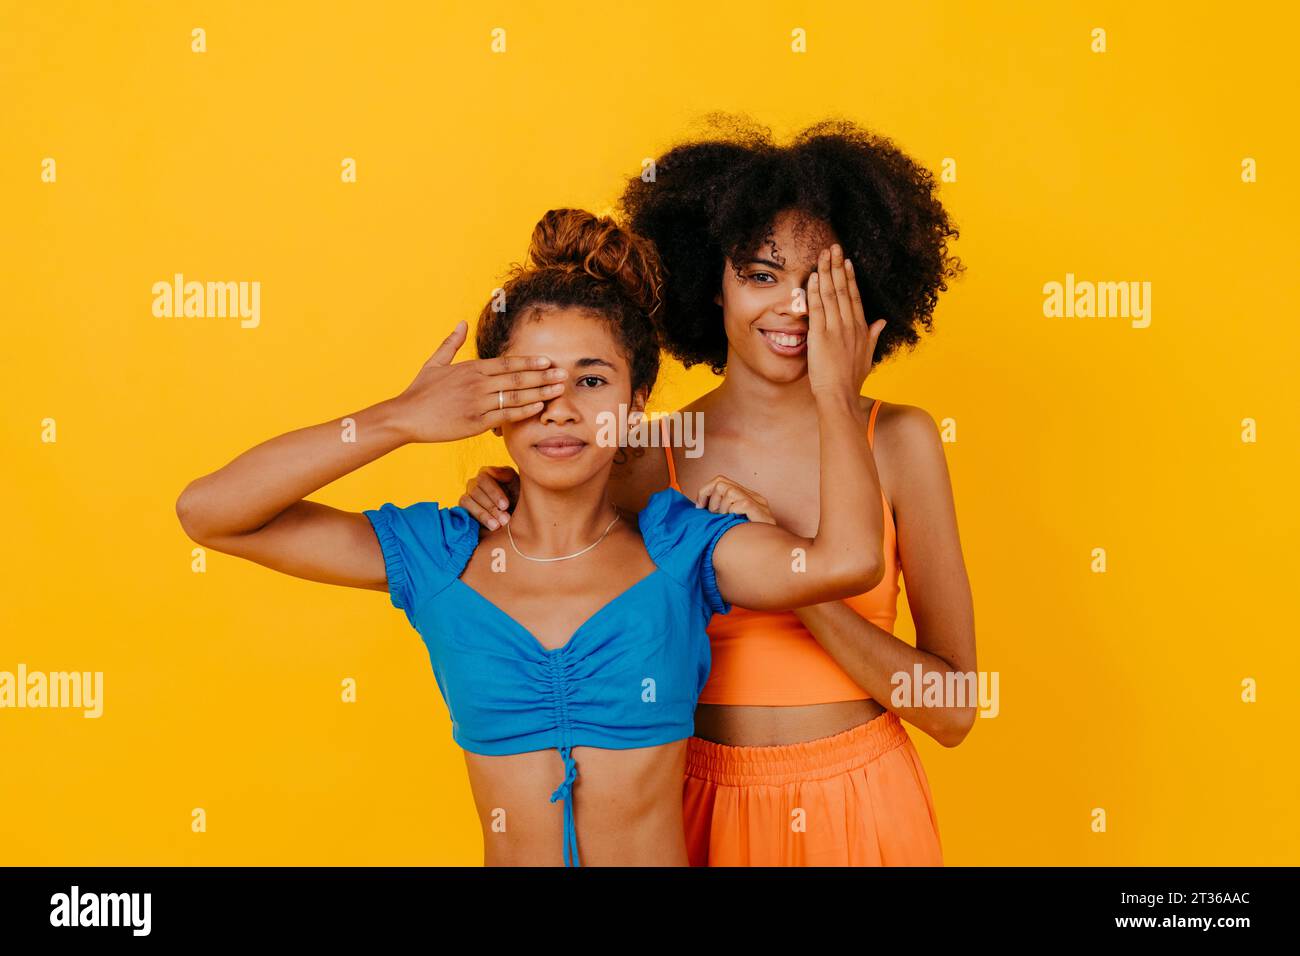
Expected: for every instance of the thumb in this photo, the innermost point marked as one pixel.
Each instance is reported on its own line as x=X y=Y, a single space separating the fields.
x=450 y=345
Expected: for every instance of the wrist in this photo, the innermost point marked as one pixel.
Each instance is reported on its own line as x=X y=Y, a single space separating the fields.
x=392 y=418
x=840 y=400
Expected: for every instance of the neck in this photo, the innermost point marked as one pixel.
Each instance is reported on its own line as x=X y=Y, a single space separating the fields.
x=547 y=522
x=754 y=402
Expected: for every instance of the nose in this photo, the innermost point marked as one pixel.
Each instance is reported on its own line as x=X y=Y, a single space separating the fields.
x=799 y=301
x=795 y=301
x=560 y=410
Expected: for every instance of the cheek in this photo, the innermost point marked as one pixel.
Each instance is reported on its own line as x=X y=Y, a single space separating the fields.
x=605 y=400
x=510 y=435
x=742 y=304
x=734 y=301
x=596 y=406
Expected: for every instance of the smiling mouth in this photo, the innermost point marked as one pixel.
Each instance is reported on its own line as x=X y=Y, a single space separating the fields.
x=785 y=343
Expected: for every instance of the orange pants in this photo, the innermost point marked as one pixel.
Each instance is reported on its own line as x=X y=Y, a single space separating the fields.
x=858 y=798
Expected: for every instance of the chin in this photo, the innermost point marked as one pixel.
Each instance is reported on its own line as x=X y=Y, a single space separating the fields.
x=782 y=370
x=559 y=474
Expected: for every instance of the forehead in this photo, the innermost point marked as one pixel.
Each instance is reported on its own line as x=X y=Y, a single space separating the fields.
x=564 y=334
x=796 y=240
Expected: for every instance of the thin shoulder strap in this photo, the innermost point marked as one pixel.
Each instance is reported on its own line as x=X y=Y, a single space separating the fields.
x=871 y=424
x=666 y=438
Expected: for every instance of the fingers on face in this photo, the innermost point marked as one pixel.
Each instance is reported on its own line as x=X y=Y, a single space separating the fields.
x=498 y=416
x=529 y=396
x=840 y=275
x=504 y=364
x=826 y=285
x=855 y=294
x=513 y=395
x=816 y=309
x=516 y=379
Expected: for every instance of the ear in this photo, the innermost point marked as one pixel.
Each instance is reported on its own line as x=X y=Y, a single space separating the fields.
x=636 y=410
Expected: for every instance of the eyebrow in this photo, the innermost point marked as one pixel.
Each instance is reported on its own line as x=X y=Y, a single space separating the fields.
x=589 y=362
x=764 y=262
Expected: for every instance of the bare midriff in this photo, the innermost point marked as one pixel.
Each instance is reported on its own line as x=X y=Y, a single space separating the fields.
x=744 y=726
x=627 y=806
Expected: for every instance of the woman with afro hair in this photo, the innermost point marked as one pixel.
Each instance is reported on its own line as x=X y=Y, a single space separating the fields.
x=800 y=757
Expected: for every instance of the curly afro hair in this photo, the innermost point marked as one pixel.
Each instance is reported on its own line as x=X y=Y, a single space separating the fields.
x=718 y=196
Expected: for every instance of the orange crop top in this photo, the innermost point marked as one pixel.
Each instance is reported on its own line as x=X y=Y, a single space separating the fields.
x=769 y=658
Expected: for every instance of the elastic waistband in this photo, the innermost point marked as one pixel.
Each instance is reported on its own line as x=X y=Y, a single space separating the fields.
x=786 y=763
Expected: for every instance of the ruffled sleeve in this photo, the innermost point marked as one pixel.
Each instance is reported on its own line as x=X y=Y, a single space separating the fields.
x=425 y=548
x=680 y=539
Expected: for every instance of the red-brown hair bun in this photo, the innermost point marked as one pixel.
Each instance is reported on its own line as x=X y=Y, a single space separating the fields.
x=574 y=240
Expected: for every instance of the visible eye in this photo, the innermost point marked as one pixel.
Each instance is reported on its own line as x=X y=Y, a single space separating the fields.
x=757 y=276
x=592 y=378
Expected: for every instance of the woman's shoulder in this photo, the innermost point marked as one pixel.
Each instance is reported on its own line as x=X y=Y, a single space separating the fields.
x=907 y=442
x=671 y=522
x=680 y=538
x=898 y=423
x=661 y=507
x=446 y=535
x=425 y=547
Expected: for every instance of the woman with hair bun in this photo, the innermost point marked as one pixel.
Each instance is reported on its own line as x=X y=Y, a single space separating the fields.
x=800 y=756
x=569 y=646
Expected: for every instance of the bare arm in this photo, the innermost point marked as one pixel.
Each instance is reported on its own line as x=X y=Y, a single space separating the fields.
x=767 y=568
x=255 y=507
x=938 y=592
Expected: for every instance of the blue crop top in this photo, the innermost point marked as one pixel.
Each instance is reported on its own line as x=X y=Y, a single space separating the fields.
x=629 y=676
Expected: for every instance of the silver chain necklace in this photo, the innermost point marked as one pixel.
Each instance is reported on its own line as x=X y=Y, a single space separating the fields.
x=563 y=557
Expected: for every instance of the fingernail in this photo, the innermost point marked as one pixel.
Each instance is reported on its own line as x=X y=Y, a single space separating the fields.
x=502 y=504
x=492 y=524
x=505 y=519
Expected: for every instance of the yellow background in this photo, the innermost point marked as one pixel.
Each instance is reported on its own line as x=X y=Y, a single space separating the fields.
x=1119 y=690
